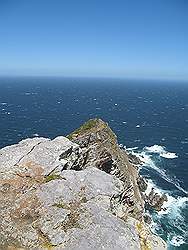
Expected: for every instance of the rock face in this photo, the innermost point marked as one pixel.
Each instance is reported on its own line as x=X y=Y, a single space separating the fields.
x=155 y=200
x=76 y=193
x=103 y=152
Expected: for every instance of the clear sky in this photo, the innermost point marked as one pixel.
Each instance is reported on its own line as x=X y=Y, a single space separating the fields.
x=113 y=38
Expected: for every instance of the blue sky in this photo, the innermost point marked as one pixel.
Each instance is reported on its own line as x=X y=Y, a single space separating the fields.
x=113 y=38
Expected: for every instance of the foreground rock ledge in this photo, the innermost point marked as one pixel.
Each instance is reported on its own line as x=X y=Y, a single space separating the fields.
x=76 y=193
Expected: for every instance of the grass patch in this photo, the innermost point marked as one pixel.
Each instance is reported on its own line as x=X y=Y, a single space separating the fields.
x=85 y=127
x=52 y=177
x=144 y=242
x=61 y=205
x=48 y=245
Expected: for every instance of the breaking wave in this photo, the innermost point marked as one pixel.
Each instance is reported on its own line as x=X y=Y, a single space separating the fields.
x=171 y=214
x=172 y=205
x=157 y=149
x=169 y=222
x=177 y=241
x=146 y=157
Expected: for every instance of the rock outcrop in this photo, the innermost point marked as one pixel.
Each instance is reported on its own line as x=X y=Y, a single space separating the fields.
x=155 y=200
x=80 y=192
x=103 y=152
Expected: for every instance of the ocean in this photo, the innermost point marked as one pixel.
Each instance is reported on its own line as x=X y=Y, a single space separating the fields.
x=150 y=119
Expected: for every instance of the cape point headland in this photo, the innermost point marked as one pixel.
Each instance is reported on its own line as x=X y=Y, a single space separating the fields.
x=82 y=191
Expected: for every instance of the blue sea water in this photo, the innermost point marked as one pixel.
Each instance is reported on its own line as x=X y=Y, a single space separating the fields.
x=150 y=117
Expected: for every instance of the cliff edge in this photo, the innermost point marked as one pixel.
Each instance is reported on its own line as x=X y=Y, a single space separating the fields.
x=76 y=192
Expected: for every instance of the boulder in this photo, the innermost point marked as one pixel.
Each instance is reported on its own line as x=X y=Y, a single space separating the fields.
x=155 y=200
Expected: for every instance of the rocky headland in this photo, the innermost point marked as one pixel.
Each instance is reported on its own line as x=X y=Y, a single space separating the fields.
x=76 y=192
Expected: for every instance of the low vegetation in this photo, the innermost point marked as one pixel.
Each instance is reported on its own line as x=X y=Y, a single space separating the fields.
x=86 y=126
x=52 y=177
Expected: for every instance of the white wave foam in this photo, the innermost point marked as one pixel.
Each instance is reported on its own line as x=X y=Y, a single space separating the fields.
x=137 y=140
x=185 y=141
x=172 y=207
x=130 y=149
x=172 y=211
x=150 y=185
x=169 y=155
x=157 y=149
x=149 y=163
x=36 y=135
x=177 y=241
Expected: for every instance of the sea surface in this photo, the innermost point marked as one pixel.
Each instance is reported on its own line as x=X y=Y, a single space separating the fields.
x=150 y=119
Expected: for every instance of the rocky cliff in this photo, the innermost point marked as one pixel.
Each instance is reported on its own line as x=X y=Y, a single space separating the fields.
x=76 y=192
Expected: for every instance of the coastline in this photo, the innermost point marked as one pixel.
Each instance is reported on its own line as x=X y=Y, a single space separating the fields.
x=68 y=180
x=127 y=167
x=173 y=205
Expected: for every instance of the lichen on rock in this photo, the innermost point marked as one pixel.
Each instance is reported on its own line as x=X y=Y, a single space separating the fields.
x=78 y=193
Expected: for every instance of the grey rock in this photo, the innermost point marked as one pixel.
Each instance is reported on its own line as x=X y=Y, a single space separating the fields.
x=104 y=231
x=11 y=156
x=91 y=182
x=64 y=194
x=155 y=200
x=104 y=153
x=134 y=159
x=147 y=219
x=86 y=195
x=142 y=184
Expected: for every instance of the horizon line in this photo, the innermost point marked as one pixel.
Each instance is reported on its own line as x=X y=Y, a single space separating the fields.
x=96 y=77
